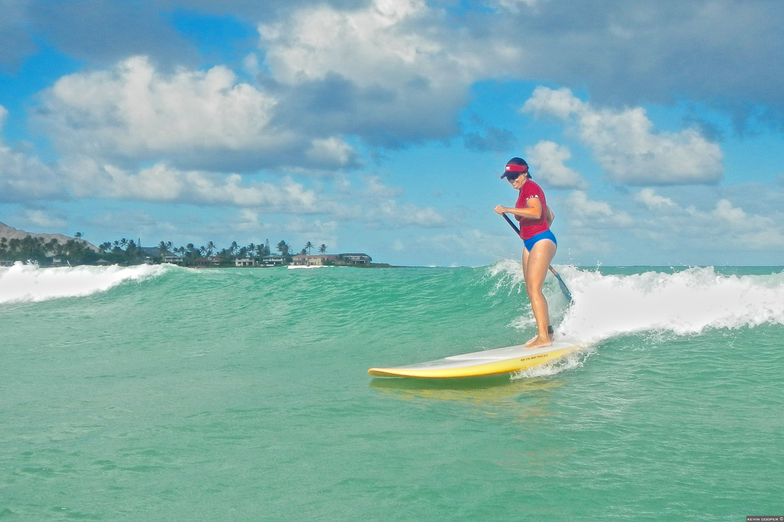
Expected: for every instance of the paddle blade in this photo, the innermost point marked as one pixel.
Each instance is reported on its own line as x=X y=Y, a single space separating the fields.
x=565 y=290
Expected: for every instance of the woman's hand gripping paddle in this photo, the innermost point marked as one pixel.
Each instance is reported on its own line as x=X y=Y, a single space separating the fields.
x=565 y=290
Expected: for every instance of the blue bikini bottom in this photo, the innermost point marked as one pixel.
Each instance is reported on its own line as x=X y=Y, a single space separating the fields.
x=531 y=241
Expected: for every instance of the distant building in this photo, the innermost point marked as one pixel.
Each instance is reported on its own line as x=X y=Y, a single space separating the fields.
x=248 y=261
x=317 y=260
x=273 y=260
x=149 y=254
x=172 y=260
x=206 y=262
x=356 y=259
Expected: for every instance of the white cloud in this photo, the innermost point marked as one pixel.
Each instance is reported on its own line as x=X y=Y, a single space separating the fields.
x=42 y=219
x=375 y=187
x=754 y=232
x=625 y=144
x=133 y=109
x=513 y=6
x=738 y=228
x=163 y=183
x=376 y=204
x=586 y=213
x=314 y=227
x=390 y=212
x=368 y=46
x=331 y=152
x=653 y=201
x=724 y=226
x=248 y=220
x=373 y=204
x=24 y=177
x=251 y=64
x=548 y=160
x=730 y=215
x=191 y=119
x=391 y=71
x=467 y=242
x=137 y=112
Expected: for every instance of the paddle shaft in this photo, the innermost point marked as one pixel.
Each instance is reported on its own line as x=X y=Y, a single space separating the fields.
x=564 y=289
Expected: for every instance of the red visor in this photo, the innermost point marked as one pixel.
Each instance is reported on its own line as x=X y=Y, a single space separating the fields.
x=514 y=168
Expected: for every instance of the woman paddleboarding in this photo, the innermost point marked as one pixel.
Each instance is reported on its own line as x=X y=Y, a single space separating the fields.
x=535 y=217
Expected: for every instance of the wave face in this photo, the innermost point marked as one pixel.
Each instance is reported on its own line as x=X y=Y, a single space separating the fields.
x=607 y=303
x=242 y=394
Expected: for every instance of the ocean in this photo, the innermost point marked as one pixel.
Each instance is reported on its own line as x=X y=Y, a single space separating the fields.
x=158 y=393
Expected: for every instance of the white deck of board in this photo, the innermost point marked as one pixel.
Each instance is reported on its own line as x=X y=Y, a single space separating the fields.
x=489 y=356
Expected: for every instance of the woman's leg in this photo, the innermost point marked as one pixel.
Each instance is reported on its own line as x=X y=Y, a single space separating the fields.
x=535 y=266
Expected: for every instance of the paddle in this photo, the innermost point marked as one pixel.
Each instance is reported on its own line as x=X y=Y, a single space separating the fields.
x=565 y=290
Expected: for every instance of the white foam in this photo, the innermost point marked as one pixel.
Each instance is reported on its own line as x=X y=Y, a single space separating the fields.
x=686 y=302
x=508 y=275
x=29 y=283
x=567 y=362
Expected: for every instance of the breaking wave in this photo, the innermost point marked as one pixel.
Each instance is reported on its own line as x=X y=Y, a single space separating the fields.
x=29 y=283
x=684 y=302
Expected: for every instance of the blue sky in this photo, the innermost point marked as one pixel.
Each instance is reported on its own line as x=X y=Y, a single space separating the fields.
x=382 y=126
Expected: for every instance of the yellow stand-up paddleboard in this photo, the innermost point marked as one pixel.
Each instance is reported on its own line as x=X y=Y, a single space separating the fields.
x=488 y=362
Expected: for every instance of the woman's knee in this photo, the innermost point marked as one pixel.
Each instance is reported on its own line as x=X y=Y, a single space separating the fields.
x=534 y=293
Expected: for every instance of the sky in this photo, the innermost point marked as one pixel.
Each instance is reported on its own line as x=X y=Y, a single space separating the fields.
x=656 y=129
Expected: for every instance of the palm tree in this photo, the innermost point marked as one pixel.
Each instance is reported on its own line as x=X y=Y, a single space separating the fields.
x=283 y=248
x=52 y=246
x=322 y=248
x=309 y=246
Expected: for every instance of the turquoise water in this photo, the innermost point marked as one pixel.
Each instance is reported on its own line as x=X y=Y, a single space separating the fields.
x=167 y=394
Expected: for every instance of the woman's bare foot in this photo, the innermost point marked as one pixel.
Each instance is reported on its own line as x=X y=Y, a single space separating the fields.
x=538 y=342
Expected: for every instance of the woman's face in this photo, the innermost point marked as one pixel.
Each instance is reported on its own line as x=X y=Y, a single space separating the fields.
x=517 y=183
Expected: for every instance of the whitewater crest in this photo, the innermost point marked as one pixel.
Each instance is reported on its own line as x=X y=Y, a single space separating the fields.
x=684 y=302
x=29 y=283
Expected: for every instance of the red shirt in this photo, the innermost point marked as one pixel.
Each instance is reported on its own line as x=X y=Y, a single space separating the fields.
x=530 y=227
